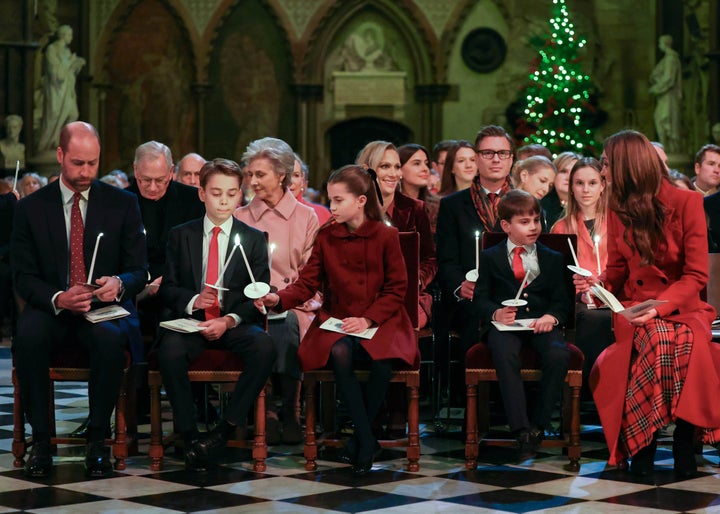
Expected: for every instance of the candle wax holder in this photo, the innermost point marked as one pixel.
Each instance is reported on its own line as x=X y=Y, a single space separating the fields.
x=472 y=275
x=256 y=290
x=580 y=271
x=512 y=302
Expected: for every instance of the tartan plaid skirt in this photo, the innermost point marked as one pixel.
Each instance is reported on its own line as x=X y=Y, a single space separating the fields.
x=661 y=354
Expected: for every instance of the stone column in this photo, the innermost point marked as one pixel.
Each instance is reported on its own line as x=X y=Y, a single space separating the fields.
x=431 y=96
x=200 y=90
x=307 y=96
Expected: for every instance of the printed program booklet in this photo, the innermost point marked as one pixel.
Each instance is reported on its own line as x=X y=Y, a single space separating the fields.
x=334 y=324
x=183 y=325
x=631 y=312
x=518 y=324
x=106 y=314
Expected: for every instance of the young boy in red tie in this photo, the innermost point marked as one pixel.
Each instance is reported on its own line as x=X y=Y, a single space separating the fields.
x=196 y=256
x=502 y=270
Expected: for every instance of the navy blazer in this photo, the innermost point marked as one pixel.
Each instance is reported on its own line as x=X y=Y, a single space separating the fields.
x=183 y=273
x=547 y=294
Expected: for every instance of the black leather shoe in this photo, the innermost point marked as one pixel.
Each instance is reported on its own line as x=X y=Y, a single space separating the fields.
x=194 y=461
x=39 y=461
x=348 y=454
x=197 y=456
x=81 y=432
x=528 y=443
x=643 y=462
x=97 y=461
x=365 y=464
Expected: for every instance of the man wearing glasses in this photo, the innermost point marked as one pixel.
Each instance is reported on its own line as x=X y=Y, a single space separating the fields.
x=461 y=215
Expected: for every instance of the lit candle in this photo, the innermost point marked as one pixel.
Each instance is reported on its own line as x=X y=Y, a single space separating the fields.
x=17 y=170
x=227 y=261
x=272 y=250
x=92 y=263
x=247 y=264
x=596 y=239
x=572 y=250
x=477 y=250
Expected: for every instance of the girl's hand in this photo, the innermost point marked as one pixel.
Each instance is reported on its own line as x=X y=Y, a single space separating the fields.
x=582 y=284
x=506 y=315
x=355 y=325
x=269 y=300
x=543 y=324
x=644 y=318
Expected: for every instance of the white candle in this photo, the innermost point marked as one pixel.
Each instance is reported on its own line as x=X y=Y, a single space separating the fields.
x=477 y=250
x=227 y=261
x=92 y=263
x=522 y=285
x=247 y=264
x=572 y=250
x=17 y=170
x=596 y=239
x=272 y=250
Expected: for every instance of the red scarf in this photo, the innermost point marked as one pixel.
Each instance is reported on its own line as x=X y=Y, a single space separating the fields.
x=484 y=205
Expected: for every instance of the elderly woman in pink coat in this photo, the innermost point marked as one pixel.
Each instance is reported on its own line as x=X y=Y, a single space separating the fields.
x=291 y=229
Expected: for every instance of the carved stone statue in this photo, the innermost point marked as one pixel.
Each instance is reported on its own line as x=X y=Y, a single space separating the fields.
x=60 y=103
x=11 y=149
x=364 y=50
x=666 y=85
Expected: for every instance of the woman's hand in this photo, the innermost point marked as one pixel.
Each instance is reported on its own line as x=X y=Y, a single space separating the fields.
x=355 y=325
x=644 y=318
x=583 y=284
x=269 y=300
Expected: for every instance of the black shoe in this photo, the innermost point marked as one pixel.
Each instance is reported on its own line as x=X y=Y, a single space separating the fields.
x=529 y=440
x=82 y=431
x=364 y=462
x=348 y=454
x=643 y=462
x=194 y=462
x=273 y=431
x=197 y=456
x=292 y=433
x=97 y=460
x=684 y=449
x=39 y=461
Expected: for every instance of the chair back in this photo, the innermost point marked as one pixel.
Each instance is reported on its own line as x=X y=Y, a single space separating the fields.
x=713 y=284
x=410 y=246
x=557 y=242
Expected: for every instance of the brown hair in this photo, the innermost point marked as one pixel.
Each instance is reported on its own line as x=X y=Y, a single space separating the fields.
x=494 y=131
x=517 y=202
x=407 y=151
x=220 y=167
x=637 y=172
x=572 y=209
x=700 y=155
x=533 y=149
x=359 y=182
x=448 y=184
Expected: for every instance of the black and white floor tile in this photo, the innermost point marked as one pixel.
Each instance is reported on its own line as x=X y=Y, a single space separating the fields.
x=441 y=485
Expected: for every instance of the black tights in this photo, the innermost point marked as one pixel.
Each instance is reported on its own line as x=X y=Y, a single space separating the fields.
x=361 y=413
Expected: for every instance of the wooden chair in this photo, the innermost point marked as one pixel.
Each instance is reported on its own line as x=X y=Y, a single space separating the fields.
x=480 y=370
x=70 y=366
x=211 y=366
x=713 y=289
x=410 y=376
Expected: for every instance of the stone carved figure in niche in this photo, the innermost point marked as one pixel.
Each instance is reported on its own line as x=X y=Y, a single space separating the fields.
x=254 y=100
x=666 y=85
x=11 y=149
x=365 y=50
x=60 y=100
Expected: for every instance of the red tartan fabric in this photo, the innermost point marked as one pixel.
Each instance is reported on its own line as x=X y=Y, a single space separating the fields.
x=661 y=354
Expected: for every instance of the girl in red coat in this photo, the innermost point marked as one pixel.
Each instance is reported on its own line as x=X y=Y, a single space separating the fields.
x=357 y=262
x=663 y=367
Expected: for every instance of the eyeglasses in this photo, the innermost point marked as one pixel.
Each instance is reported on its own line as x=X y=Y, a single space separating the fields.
x=490 y=154
x=157 y=181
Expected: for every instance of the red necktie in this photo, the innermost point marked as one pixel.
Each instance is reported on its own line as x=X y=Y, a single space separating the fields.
x=77 y=233
x=211 y=276
x=517 y=264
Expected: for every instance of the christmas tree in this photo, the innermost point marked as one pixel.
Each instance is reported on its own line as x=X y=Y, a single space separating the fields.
x=558 y=106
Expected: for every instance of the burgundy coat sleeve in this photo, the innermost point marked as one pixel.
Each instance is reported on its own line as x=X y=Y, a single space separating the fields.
x=392 y=295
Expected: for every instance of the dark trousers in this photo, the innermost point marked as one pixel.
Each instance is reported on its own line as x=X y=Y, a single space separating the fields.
x=593 y=333
x=177 y=351
x=505 y=348
x=39 y=334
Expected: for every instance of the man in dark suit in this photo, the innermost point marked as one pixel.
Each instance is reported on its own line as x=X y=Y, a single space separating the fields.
x=461 y=215
x=504 y=268
x=197 y=255
x=54 y=234
x=7 y=207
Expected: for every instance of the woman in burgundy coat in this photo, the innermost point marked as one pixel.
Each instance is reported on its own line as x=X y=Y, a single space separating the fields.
x=663 y=367
x=358 y=264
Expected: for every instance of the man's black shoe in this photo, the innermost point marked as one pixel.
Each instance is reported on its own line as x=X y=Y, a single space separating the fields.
x=97 y=460
x=194 y=462
x=81 y=432
x=39 y=461
x=197 y=456
x=528 y=443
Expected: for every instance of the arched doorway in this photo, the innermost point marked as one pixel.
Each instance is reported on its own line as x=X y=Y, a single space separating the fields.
x=347 y=138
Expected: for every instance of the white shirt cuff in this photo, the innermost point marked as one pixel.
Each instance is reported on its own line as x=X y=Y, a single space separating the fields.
x=189 y=307
x=52 y=302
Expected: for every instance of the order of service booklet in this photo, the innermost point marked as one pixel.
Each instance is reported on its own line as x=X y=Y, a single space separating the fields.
x=631 y=312
x=518 y=324
x=335 y=324
x=106 y=313
x=183 y=325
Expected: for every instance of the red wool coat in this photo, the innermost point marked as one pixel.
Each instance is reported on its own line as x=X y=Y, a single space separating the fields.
x=678 y=276
x=362 y=274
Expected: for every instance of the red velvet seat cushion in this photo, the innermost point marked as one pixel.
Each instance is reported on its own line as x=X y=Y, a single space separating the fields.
x=480 y=357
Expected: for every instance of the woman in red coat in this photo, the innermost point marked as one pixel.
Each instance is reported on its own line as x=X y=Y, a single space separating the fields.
x=358 y=264
x=663 y=366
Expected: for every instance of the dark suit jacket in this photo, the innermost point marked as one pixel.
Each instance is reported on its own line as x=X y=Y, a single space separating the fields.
x=39 y=254
x=457 y=222
x=712 y=213
x=7 y=207
x=183 y=273
x=181 y=204
x=546 y=294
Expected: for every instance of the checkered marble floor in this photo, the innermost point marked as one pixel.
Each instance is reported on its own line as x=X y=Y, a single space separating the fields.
x=442 y=484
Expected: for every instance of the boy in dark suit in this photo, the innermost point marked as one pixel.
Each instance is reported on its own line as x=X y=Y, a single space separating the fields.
x=196 y=251
x=502 y=269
